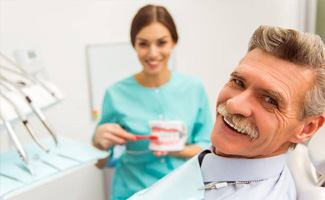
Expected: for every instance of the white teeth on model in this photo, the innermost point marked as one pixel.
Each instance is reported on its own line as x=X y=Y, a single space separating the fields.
x=238 y=129
x=167 y=136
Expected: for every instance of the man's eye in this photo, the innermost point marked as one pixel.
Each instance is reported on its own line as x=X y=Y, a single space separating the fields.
x=271 y=101
x=240 y=83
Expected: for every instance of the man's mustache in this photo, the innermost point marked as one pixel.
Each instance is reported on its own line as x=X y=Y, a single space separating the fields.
x=239 y=122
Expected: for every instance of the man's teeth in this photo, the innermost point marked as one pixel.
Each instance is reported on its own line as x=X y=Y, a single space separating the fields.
x=240 y=130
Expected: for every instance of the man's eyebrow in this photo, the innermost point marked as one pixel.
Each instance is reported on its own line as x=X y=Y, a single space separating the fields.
x=237 y=75
x=276 y=95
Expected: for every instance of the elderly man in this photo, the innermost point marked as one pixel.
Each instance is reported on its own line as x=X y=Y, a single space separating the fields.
x=273 y=100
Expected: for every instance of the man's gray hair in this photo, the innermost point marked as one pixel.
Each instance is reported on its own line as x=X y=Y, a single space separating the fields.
x=303 y=49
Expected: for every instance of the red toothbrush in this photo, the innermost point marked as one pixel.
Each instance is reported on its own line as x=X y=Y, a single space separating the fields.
x=150 y=137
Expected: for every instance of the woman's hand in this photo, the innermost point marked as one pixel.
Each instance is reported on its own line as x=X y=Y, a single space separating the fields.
x=161 y=153
x=108 y=135
x=170 y=153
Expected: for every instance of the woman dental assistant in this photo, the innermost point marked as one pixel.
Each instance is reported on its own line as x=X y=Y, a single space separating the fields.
x=155 y=93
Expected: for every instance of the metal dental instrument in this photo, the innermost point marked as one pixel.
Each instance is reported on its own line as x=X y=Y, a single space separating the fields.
x=25 y=74
x=36 y=110
x=17 y=143
x=218 y=185
x=24 y=120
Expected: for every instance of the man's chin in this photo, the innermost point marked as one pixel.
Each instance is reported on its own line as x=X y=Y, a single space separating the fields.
x=223 y=149
x=226 y=152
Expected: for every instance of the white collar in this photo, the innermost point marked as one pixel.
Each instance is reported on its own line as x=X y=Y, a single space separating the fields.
x=215 y=168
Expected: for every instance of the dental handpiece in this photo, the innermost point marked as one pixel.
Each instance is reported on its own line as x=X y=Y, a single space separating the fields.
x=24 y=120
x=41 y=116
x=15 y=140
x=17 y=143
x=36 y=110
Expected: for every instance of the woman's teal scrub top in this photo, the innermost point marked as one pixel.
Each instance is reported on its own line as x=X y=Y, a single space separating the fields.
x=132 y=106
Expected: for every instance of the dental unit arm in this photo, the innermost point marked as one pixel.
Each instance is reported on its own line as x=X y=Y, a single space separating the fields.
x=35 y=109
x=24 y=73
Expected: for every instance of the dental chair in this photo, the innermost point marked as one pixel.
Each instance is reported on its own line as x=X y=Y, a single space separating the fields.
x=307 y=166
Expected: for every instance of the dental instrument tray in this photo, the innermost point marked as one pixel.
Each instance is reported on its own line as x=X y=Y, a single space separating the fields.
x=68 y=156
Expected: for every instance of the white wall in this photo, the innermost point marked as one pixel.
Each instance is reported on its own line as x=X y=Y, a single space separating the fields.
x=213 y=38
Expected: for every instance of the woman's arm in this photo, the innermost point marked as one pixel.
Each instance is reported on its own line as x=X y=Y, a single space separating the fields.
x=188 y=152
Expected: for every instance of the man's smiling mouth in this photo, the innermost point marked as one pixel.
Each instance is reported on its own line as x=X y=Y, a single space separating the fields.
x=234 y=127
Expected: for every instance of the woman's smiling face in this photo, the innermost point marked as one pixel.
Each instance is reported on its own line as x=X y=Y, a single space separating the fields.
x=154 y=45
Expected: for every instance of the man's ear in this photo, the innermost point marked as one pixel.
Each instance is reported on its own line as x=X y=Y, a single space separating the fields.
x=310 y=126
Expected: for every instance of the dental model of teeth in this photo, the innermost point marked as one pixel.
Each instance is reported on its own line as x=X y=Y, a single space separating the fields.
x=166 y=136
x=170 y=138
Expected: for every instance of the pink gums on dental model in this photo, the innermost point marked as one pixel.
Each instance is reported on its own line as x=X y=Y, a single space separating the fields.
x=171 y=135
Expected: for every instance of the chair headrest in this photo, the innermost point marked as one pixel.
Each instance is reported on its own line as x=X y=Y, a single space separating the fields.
x=316 y=151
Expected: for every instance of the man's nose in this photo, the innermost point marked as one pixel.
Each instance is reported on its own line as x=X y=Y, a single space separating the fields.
x=241 y=104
